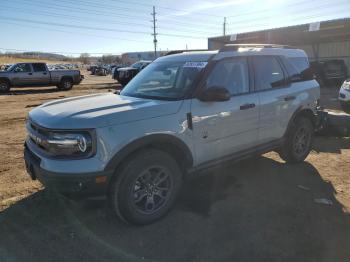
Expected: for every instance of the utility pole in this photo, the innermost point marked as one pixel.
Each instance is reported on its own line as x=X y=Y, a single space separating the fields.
x=154 y=32
x=224 y=28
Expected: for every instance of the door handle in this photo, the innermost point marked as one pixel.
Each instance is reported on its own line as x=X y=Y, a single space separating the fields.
x=44 y=73
x=289 y=98
x=30 y=74
x=247 y=106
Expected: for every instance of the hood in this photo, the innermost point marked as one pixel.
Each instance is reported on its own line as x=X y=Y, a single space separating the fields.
x=99 y=110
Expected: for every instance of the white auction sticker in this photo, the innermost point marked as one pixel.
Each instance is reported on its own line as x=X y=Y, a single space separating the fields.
x=195 y=64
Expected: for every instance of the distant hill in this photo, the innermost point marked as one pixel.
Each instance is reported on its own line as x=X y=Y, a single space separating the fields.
x=37 y=55
x=44 y=55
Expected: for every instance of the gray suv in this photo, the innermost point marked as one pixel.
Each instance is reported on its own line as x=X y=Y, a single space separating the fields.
x=182 y=114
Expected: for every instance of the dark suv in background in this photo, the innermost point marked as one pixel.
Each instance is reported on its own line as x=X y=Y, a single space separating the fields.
x=330 y=72
x=125 y=74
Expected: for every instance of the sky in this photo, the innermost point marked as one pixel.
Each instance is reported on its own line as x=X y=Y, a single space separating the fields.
x=72 y=27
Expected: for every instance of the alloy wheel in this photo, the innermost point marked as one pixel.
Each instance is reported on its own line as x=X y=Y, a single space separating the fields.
x=152 y=189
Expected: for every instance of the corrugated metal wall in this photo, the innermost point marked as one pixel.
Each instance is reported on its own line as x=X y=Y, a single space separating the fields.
x=334 y=50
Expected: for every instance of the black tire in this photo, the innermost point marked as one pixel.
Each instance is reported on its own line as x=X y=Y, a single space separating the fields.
x=66 y=84
x=145 y=187
x=4 y=86
x=299 y=141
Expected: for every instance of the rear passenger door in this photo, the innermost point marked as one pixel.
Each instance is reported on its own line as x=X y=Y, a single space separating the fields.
x=223 y=128
x=41 y=75
x=276 y=97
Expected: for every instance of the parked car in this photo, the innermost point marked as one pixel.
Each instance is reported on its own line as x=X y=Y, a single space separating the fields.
x=115 y=73
x=125 y=74
x=183 y=114
x=38 y=74
x=344 y=95
x=92 y=69
x=330 y=72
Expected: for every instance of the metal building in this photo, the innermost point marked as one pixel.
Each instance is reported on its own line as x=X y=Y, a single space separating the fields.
x=322 y=40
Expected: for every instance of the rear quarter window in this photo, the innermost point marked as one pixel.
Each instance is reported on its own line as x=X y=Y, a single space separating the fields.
x=300 y=63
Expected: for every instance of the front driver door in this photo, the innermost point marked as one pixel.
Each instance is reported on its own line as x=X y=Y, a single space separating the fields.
x=223 y=128
x=23 y=75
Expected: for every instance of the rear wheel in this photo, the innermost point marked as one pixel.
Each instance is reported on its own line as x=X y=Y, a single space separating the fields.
x=146 y=187
x=298 y=141
x=4 y=86
x=66 y=84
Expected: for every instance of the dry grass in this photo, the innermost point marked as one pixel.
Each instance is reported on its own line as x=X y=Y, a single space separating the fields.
x=12 y=60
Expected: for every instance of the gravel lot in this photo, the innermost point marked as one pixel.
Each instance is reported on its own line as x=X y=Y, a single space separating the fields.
x=260 y=209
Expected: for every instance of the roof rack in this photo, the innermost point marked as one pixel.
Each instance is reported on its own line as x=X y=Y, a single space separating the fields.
x=182 y=51
x=234 y=47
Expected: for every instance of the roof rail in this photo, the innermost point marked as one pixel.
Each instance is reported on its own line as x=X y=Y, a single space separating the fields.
x=182 y=51
x=234 y=47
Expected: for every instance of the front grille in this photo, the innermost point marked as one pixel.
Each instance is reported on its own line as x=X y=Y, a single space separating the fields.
x=37 y=134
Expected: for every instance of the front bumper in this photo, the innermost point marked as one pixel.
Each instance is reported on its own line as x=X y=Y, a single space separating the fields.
x=86 y=184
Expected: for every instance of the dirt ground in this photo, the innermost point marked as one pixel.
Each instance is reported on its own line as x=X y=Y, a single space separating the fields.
x=260 y=209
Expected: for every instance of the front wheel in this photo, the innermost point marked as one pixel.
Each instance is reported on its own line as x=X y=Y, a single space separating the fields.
x=298 y=141
x=4 y=86
x=146 y=187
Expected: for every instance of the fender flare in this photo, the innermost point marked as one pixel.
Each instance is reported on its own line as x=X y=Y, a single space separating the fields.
x=164 y=142
x=306 y=112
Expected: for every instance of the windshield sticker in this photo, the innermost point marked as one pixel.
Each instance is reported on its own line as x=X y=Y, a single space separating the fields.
x=195 y=64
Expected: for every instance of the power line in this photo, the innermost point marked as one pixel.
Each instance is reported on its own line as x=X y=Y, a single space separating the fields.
x=298 y=18
x=319 y=7
x=75 y=18
x=75 y=33
x=93 y=28
x=71 y=9
x=168 y=8
x=74 y=26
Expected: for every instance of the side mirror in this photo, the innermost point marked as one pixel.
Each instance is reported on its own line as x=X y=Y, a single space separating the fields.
x=214 y=94
x=307 y=74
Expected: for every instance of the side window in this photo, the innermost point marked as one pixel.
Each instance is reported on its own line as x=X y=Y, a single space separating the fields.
x=298 y=69
x=39 y=67
x=300 y=63
x=231 y=74
x=268 y=73
x=23 y=68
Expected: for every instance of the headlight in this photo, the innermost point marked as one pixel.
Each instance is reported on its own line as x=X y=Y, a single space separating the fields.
x=69 y=144
x=63 y=144
x=346 y=86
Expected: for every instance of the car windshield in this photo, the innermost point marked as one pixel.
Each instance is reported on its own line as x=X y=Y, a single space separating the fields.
x=164 y=80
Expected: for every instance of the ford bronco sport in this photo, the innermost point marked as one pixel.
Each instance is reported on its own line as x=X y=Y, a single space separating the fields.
x=182 y=114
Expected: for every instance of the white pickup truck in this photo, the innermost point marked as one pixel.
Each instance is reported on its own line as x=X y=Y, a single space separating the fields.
x=38 y=74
